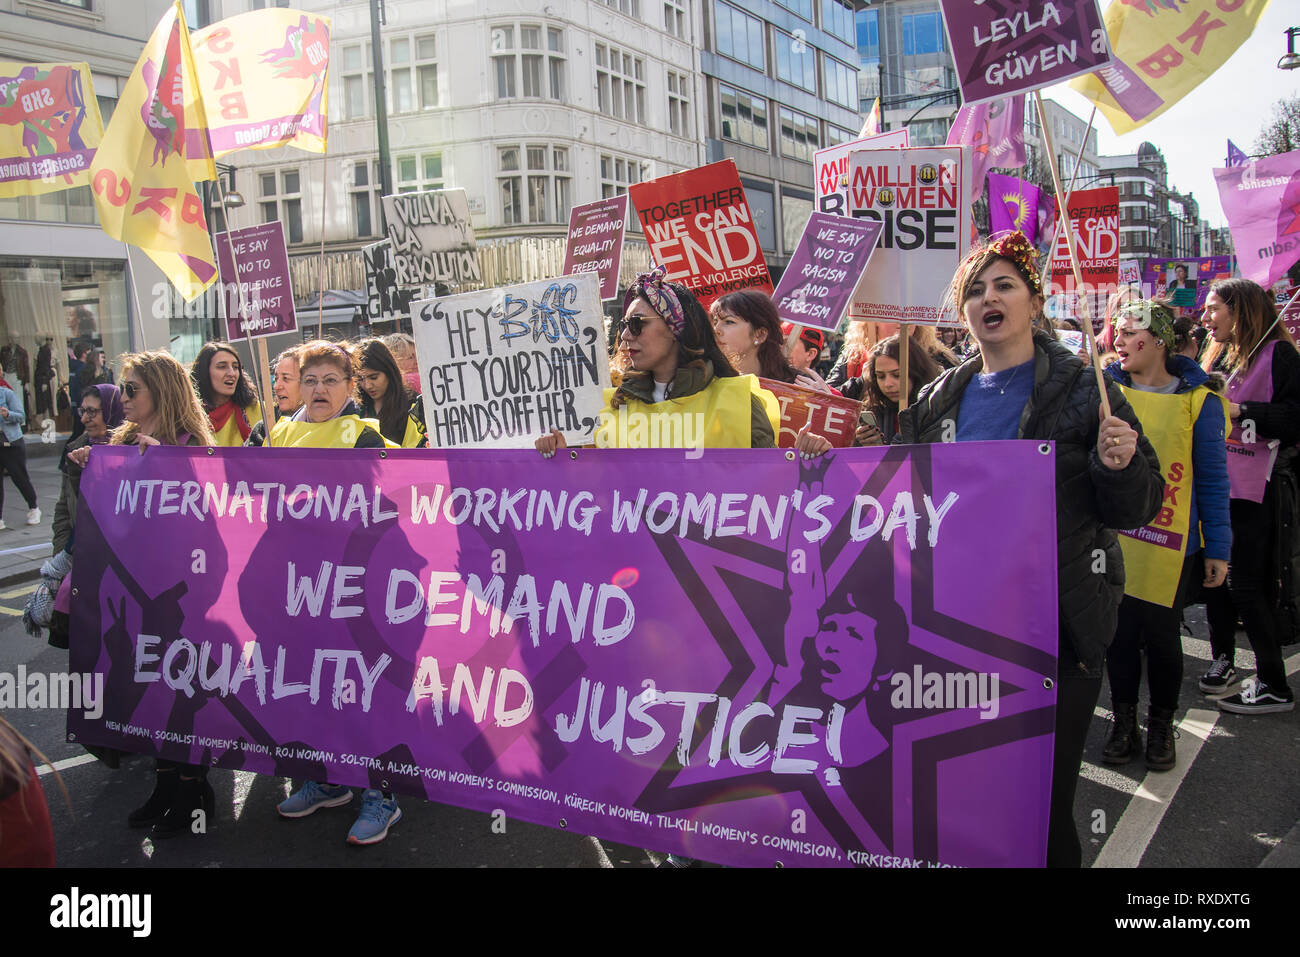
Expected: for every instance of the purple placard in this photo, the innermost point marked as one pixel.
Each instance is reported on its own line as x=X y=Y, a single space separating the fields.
x=264 y=276
x=834 y=641
x=1004 y=47
x=816 y=287
x=596 y=241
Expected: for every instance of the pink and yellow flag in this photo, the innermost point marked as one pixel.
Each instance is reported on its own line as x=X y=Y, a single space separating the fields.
x=1162 y=50
x=154 y=149
x=264 y=79
x=49 y=127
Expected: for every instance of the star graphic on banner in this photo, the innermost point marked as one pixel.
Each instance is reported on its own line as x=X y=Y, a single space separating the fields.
x=1017 y=207
x=888 y=803
x=1294 y=225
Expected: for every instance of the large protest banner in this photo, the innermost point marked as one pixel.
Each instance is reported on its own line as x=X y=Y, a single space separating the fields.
x=432 y=237
x=831 y=416
x=826 y=266
x=386 y=301
x=1161 y=51
x=922 y=196
x=264 y=306
x=49 y=127
x=1261 y=202
x=688 y=656
x=1014 y=46
x=264 y=80
x=1094 y=221
x=596 y=241
x=831 y=169
x=503 y=366
x=699 y=226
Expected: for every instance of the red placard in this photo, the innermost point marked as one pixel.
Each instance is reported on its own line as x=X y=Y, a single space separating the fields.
x=1094 y=218
x=700 y=228
x=831 y=416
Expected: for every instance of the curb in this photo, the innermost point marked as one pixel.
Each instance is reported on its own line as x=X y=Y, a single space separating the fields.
x=21 y=578
x=1286 y=853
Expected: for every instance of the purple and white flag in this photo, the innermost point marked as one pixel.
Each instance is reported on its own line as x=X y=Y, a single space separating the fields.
x=1261 y=201
x=995 y=132
x=1235 y=155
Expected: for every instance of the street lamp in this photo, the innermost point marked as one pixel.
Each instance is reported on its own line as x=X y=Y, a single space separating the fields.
x=1290 y=60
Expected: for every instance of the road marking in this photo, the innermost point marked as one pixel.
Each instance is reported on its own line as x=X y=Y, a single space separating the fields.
x=24 y=548
x=10 y=611
x=1137 y=825
x=19 y=592
x=66 y=763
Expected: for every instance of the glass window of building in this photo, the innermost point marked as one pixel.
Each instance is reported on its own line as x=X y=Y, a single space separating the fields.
x=868 y=30
x=796 y=208
x=837 y=19
x=798 y=134
x=802 y=7
x=675 y=18
x=744 y=118
x=679 y=104
x=418 y=172
x=532 y=67
x=739 y=35
x=617 y=173
x=358 y=81
x=620 y=83
x=922 y=33
x=796 y=63
x=840 y=82
x=762 y=204
x=543 y=193
x=630 y=7
x=401 y=96
x=365 y=189
x=281 y=198
x=426 y=70
x=835 y=135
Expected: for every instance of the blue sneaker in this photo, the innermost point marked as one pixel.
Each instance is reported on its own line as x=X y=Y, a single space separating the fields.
x=377 y=815
x=311 y=797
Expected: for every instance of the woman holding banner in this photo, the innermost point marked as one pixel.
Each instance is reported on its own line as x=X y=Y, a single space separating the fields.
x=227 y=395
x=1024 y=384
x=384 y=396
x=748 y=329
x=675 y=368
x=1264 y=402
x=330 y=419
x=1187 y=424
x=288 y=397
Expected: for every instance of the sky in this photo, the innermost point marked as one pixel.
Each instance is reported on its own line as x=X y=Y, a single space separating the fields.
x=1234 y=103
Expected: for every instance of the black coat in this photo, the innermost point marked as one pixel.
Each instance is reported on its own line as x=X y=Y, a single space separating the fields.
x=1091 y=499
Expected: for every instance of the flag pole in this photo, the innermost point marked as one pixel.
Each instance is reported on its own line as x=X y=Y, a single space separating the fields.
x=1056 y=226
x=320 y=260
x=904 y=350
x=257 y=346
x=1074 y=258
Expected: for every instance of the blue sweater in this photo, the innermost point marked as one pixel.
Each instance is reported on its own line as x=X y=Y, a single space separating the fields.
x=12 y=427
x=1209 y=503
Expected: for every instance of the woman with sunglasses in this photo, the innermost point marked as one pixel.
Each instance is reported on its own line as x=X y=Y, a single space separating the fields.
x=288 y=397
x=385 y=397
x=331 y=419
x=1024 y=384
x=227 y=395
x=671 y=364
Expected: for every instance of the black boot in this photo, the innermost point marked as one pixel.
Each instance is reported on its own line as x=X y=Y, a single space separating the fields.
x=1124 y=741
x=164 y=791
x=1160 y=739
x=192 y=794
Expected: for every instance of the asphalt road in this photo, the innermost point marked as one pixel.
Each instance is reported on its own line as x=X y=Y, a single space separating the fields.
x=1230 y=802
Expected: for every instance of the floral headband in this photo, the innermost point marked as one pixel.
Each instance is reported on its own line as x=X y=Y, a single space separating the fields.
x=651 y=286
x=1014 y=246
x=1154 y=317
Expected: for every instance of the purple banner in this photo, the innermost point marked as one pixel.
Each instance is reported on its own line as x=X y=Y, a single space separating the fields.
x=1015 y=204
x=736 y=655
x=1261 y=202
x=995 y=132
x=818 y=284
x=1004 y=47
x=238 y=136
x=266 y=306
x=45 y=168
x=596 y=241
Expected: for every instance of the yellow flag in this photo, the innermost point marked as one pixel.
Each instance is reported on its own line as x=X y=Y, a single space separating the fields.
x=264 y=79
x=155 y=146
x=49 y=127
x=1164 y=49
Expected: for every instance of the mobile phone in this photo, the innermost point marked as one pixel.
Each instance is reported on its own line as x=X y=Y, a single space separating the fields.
x=867 y=419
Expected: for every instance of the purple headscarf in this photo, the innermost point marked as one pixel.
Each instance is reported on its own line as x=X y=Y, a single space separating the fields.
x=110 y=402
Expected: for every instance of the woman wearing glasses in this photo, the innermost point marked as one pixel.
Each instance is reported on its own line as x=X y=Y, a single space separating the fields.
x=672 y=365
x=227 y=395
x=101 y=411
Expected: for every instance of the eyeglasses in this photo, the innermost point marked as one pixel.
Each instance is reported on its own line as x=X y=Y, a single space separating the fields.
x=129 y=389
x=635 y=325
x=286 y=379
x=88 y=412
x=329 y=382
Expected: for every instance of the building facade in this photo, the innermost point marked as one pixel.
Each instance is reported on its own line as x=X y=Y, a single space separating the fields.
x=905 y=61
x=1155 y=220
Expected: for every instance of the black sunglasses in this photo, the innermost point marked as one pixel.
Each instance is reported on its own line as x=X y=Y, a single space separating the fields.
x=129 y=389
x=635 y=325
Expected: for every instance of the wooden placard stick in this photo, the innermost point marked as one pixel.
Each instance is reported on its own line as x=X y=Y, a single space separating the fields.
x=904 y=350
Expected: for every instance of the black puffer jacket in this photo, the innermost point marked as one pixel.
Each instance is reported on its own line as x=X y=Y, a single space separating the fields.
x=1091 y=499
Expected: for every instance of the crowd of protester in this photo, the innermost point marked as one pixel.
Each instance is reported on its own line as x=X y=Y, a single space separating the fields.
x=1003 y=374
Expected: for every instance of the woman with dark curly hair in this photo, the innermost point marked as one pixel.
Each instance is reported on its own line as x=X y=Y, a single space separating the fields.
x=227 y=395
